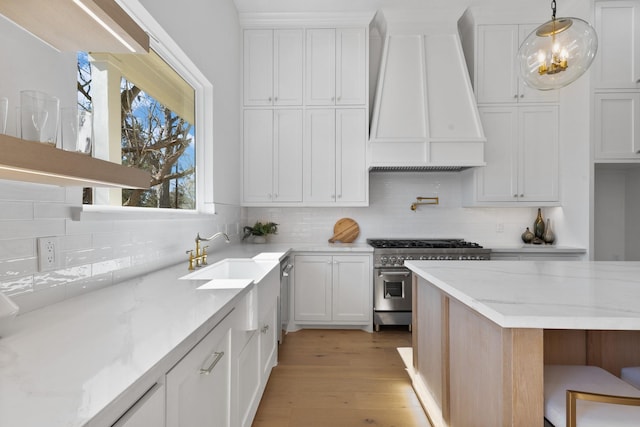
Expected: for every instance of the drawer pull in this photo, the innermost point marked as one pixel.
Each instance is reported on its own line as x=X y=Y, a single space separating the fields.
x=216 y=358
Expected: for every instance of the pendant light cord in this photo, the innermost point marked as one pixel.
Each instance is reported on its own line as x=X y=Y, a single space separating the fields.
x=553 y=9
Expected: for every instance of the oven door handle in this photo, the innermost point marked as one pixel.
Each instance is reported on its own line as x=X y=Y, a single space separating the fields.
x=395 y=273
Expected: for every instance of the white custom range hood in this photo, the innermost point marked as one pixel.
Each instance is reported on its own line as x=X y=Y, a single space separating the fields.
x=425 y=115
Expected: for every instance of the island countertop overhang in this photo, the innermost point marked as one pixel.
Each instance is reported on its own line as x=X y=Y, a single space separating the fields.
x=542 y=294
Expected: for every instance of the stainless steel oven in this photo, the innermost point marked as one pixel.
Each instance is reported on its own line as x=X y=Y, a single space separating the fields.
x=392 y=296
x=392 y=281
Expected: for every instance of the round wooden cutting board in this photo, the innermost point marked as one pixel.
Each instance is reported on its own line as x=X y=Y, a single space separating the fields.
x=346 y=230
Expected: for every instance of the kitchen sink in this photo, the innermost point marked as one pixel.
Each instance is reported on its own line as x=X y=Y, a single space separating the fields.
x=234 y=268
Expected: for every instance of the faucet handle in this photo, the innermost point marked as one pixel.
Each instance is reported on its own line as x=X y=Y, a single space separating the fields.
x=191 y=257
x=204 y=255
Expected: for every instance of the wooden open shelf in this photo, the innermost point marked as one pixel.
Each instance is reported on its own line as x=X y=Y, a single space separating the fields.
x=29 y=161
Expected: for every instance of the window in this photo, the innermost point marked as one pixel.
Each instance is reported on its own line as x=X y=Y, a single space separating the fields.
x=144 y=117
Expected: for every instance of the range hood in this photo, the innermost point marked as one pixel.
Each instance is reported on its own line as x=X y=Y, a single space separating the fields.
x=424 y=114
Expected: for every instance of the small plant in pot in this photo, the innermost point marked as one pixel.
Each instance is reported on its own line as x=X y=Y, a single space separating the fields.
x=259 y=231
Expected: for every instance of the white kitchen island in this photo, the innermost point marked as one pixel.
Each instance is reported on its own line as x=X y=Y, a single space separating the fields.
x=484 y=330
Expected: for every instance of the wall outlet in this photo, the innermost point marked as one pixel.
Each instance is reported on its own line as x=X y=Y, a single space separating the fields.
x=48 y=253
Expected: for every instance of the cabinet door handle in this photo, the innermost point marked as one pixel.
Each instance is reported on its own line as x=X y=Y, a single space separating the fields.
x=264 y=329
x=216 y=358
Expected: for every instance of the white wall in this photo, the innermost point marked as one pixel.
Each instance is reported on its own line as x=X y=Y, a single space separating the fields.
x=616 y=211
x=98 y=249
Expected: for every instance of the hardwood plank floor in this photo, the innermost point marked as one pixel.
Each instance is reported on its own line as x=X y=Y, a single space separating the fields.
x=340 y=378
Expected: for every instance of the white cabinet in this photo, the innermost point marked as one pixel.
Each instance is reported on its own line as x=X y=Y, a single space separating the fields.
x=272 y=169
x=496 y=73
x=248 y=380
x=273 y=61
x=336 y=66
x=332 y=289
x=522 y=157
x=617 y=125
x=335 y=170
x=199 y=386
x=617 y=64
x=256 y=349
x=149 y=410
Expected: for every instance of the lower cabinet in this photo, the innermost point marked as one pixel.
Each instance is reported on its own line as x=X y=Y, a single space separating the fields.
x=218 y=382
x=148 y=411
x=333 y=289
x=198 y=387
x=617 y=126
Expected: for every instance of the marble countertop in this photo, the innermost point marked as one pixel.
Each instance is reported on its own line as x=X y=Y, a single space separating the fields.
x=62 y=365
x=542 y=294
x=537 y=249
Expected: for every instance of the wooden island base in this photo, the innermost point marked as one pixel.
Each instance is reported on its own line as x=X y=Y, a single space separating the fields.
x=469 y=371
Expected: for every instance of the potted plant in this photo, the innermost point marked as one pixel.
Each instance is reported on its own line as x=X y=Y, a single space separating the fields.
x=259 y=231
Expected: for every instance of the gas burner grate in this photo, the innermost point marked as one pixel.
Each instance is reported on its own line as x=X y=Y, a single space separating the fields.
x=423 y=244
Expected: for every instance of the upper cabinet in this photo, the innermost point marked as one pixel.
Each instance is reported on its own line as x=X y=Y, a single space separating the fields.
x=496 y=71
x=616 y=82
x=334 y=157
x=522 y=158
x=617 y=64
x=273 y=62
x=336 y=66
x=305 y=110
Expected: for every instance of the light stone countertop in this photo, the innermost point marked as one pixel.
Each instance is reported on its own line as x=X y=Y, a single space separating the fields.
x=62 y=365
x=530 y=248
x=542 y=294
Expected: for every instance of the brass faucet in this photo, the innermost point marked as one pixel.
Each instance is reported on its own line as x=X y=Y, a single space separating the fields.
x=420 y=201
x=200 y=257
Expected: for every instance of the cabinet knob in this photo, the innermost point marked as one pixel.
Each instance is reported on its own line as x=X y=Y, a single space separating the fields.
x=275 y=99
x=515 y=195
x=515 y=96
x=269 y=99
x=638 y=81
x=522 y=96
x=275 y=196
x=522 y=195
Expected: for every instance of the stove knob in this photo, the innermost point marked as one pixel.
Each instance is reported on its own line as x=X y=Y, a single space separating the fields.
x=433 y=257
x=441 y=257
x=383 y=260
x=472 y=257
x=408 y=258
x=462 y=257
x=450 y=258
x=400 y=260
x=393 y=260
x=423 y=258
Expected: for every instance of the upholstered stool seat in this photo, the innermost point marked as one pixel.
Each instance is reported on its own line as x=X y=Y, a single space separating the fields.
x=631 y=375
x=589 y=379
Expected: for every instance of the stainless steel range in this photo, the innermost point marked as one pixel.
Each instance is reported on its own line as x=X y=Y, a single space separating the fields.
x=392 y=281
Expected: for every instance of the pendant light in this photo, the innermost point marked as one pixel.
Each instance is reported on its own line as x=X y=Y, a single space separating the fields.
x=557 y=52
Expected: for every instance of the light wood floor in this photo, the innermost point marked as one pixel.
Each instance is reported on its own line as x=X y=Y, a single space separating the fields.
x=340 y=378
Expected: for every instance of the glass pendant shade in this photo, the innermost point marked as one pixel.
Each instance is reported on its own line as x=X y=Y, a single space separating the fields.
x=557 y=53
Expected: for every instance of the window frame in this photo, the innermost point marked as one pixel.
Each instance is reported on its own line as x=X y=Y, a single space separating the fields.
x=176 y=58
